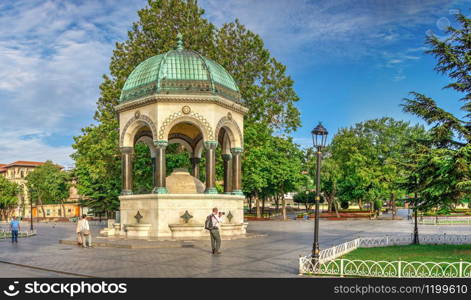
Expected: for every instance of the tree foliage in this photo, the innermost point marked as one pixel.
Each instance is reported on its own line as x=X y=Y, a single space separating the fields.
x=272 y=166
x=442 y=166
x=8 y=196
x=369 y=158
x=48 y=184
x=266 y=89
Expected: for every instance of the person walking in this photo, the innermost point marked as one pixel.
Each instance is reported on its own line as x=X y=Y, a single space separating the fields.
x=84 y=228
x=213 y=223
x=15 y=228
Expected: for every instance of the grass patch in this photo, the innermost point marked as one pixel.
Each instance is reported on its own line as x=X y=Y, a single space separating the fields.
x=422 y=253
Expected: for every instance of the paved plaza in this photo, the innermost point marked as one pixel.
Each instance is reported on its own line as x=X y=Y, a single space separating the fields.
x=274 y=255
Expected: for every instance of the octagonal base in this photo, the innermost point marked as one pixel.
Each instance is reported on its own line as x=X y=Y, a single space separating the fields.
x=164 y=213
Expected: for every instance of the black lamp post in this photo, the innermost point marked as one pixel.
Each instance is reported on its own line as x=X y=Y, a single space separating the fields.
x=319 y=139
x=31 y=212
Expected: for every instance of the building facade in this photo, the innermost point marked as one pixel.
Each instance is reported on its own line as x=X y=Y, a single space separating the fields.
x=17 y=172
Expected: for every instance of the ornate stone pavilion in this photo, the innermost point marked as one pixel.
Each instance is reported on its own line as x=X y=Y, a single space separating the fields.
x=185 y=98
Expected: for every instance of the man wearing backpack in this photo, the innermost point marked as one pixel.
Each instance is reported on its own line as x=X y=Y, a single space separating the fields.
x=213 y=222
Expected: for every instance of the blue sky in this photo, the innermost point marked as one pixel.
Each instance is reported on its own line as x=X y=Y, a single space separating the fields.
x=350 y=60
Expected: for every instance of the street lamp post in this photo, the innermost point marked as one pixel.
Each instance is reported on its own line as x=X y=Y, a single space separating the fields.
x=319 y=138
x=31 y=213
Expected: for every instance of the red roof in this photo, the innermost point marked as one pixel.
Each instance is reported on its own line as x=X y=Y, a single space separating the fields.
x=25 y=163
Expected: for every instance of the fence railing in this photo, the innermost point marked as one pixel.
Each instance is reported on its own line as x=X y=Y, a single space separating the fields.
x=438 y=239
x=6 y=234
x=400 y=269
x=328 y=263
x=339 y=250
x=445 y=220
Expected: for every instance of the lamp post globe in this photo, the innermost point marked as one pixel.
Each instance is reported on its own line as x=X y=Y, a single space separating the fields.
x=319 y=140
x=319 y=136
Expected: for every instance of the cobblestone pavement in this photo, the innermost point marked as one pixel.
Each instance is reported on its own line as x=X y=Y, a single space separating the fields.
x=275 y=255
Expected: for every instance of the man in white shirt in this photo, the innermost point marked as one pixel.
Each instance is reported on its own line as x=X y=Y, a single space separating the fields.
x=216 y=220
x=84 y=228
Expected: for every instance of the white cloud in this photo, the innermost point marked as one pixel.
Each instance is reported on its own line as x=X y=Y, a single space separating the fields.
x=29 y=145
x=52 y=56
x=53 y=53
x=335 y=29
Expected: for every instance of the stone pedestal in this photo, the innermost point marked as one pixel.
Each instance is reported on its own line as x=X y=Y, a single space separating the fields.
x=137 y=230
x=187 y=230
x=233 y=229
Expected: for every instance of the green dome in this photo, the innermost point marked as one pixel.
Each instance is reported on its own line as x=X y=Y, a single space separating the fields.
x=179 y=71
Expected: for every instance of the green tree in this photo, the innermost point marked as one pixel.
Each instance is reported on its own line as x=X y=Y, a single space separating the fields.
x=256 y=164
x=369 y=158
x=330 y=176
x=285 y=170
x=266 y=89
x=48 y=184
x=307 y=198
x=442 y=170
x=8 y=196
x=98 y=167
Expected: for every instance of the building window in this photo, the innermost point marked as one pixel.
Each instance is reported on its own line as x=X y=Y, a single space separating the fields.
x=48 y=212
x=69 y=210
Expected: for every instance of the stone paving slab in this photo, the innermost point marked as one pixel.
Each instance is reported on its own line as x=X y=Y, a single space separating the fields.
x=145 y=243
x=275 y=254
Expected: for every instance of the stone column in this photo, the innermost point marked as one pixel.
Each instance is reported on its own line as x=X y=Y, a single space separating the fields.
x=210 y=167
x=195 y=166
x=161 y=168
x=226 y=158
x=127 y=155
x=153 y=161
x=236 y=171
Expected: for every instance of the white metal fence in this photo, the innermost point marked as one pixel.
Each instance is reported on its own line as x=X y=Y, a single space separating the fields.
x=339 y=250
x=329 y=264
x=6 y=234
x=401 y=269
x=445 y=220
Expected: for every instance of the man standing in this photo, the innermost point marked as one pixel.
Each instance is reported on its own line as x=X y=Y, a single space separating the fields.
x=84 y=228
x=15 y=228
x=215 y=222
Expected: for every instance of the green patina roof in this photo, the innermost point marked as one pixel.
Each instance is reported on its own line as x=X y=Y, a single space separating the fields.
x=179 y=71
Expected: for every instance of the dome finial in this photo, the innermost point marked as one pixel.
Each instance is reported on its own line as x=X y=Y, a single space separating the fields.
x=179 y=41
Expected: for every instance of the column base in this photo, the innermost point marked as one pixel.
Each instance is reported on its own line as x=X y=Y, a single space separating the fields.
x=211 y=191
x=237 y=192
x=160 y=190
x=126 y=192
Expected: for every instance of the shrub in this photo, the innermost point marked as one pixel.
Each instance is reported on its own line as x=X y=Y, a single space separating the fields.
x=378 y=204
x=344 y=204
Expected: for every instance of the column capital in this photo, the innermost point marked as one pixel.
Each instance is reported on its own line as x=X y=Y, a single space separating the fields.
x=227 y=156
x=126 y=150
x=237 y=150
x=161 y=144
x=159 y=190
x=210 y=144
